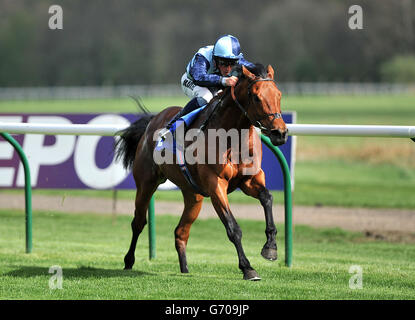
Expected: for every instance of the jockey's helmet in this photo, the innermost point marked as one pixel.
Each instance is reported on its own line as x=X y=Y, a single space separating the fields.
x=227 y=47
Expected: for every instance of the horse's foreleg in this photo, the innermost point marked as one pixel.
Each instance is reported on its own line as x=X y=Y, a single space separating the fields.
x=269 y=251
x=255 y=187
x=192 y=206
x=220 y=202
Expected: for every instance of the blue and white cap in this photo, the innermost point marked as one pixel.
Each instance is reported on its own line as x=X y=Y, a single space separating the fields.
x=227 y=47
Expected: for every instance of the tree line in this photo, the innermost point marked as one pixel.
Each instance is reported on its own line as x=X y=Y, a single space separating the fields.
x=150 y=42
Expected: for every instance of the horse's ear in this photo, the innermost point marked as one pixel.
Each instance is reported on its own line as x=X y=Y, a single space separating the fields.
x=270 y=72
x=247 y=73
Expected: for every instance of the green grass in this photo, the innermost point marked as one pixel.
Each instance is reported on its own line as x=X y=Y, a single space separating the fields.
x=354 y=184
x=126 y=105
x=383 y=109
x=90 y=250
x=364 y=110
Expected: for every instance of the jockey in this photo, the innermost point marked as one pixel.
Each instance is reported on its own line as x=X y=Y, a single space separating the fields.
x=209 y=71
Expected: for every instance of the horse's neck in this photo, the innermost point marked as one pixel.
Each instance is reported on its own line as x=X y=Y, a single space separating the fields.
x=229 y=116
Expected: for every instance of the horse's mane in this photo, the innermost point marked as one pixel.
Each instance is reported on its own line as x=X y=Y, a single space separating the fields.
x=258 y=69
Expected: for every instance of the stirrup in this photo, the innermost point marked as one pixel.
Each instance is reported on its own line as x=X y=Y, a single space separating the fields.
x=163 y=132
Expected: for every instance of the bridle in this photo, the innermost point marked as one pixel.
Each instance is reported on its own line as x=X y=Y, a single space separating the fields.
x=255 y=122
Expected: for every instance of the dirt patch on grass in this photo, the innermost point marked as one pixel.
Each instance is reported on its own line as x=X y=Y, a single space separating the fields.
x=396 y=152
x=390 y=236
x=376 y=224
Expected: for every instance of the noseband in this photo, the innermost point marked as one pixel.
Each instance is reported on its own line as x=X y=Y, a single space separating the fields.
x=257 y=123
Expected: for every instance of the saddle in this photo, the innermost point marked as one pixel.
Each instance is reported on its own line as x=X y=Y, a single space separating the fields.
x=170 y=145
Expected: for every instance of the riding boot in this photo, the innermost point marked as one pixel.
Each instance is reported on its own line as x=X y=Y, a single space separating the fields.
x=190 y=106
x=193 y=104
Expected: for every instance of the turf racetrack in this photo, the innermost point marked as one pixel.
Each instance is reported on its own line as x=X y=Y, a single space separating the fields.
x=355 y=172
x=90 y=250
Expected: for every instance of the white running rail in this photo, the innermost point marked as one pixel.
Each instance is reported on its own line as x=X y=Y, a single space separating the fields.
x=293 y=129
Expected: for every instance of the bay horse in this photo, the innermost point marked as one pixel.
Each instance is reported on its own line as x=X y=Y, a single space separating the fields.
x=254 y=101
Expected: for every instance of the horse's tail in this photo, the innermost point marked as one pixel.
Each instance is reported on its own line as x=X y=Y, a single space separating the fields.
x=126 y=145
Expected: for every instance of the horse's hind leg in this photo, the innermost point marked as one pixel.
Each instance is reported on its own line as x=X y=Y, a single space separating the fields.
x=192 y=205
x=255 y=187
x=143 y=196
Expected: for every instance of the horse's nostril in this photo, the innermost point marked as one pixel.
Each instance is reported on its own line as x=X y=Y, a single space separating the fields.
x=284 y=132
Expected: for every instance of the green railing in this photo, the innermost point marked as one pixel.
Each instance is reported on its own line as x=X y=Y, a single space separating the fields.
x=287 y=200
x=151 y=229
x=28 y=189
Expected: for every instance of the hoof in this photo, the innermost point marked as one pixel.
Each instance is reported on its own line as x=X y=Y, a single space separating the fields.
x=128 y=264
x=269 y=254
x=251 y=275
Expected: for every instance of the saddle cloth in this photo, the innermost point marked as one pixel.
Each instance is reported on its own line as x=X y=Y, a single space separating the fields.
x=169 y=145
x=186 y=121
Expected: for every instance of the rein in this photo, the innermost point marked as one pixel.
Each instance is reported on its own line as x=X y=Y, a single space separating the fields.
x=257 y=122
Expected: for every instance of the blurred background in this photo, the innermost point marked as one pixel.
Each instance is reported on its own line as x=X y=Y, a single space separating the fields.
x=150 y=42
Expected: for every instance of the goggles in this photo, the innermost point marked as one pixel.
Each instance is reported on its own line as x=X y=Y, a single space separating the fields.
x=226 y=63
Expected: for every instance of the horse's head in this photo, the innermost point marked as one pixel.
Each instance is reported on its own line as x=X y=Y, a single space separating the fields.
x=261 y=102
